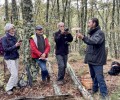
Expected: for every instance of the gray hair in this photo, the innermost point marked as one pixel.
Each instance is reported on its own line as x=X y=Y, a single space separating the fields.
x=8 y=26
x=60 y=24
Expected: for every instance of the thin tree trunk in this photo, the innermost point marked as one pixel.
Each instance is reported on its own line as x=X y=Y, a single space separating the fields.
x=6 y=11
x=78 y=12
x=82 y=15
x=47 y=18
x=64 y=12
x=58 y=9
x=47 y=11
x=14 y=12
x=113 y=27
x=69 y=14
x=85 y=16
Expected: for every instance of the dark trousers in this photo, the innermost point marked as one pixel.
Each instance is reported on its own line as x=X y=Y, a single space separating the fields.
x=98 y=79
x=62 y=64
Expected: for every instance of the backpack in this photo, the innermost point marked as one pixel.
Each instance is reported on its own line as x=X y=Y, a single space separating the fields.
x=115 y=68
x=1 y=47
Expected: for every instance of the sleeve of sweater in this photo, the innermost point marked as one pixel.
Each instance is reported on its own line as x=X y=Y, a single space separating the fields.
x=5 y=45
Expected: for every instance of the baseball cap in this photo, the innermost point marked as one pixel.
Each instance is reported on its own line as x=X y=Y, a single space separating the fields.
x=38 y=27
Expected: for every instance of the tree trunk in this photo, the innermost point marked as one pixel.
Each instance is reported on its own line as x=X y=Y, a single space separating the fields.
x=78 y=12
x=14 y=12
x=85 y=16
x=58 y=9
x=28 y=31
x=6 y=11
x=47 y=18
x=64 y=12
x=69 y=14
x=113 y=27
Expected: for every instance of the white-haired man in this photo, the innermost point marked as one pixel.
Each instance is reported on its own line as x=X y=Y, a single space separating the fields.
x=11 y=55
x=62 y=39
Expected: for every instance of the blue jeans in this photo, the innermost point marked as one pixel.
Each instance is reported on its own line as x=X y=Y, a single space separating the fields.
x=44 y=71
x=98 y=79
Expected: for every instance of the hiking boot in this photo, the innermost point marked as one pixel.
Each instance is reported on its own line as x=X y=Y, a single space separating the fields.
x=93 y=92
x=60 y=82
x=104 y=98
x=16 y=87
x=9 y=92
x=43 y=81
x=48 y=79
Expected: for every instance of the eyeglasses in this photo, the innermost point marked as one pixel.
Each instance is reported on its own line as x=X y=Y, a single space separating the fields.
x=39 y=29
x=13 y=28
x=61 y=26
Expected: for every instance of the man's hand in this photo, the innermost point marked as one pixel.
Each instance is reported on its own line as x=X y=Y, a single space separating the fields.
x=18 y=44
x=43 y=56
x=62 y=31
x=79 y=35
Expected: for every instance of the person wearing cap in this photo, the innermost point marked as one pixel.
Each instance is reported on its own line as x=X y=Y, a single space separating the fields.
x=62 y=39
x=40 y=48
x=11 y=56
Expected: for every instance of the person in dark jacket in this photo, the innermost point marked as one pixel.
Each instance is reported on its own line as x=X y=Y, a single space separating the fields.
x=62 y=39
x=96 y=55
x=11 y=55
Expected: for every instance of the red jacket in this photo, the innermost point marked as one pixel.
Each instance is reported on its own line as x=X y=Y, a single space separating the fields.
x=35 y=53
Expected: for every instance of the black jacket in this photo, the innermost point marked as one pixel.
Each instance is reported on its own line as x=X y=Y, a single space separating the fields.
x=62 y=42
x=10 y=50
x=95 y=53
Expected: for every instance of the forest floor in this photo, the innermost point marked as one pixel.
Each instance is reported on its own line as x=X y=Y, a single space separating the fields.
x=81 y=70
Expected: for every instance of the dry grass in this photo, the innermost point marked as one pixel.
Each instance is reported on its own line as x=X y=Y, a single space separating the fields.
x=74 y=57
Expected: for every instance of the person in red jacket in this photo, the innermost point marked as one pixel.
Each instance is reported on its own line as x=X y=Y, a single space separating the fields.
x=40 y=48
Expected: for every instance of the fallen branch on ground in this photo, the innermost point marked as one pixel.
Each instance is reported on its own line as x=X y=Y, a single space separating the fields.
x=81 y=88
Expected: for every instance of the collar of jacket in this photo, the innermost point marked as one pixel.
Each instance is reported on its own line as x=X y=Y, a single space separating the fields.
x=59 y=31
x=34 y=37
x=92 y=31
x=10 y=36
